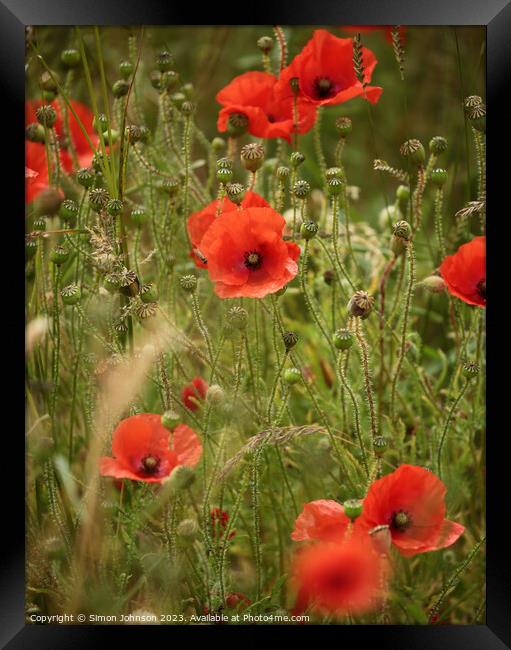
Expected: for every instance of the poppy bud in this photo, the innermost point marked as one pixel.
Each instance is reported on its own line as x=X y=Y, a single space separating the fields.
x=215 y=394
x=237 y=124
x=301 y=189
x=170 y=420
x=59 y=255
x=334 y=186
x=437 y=145
x=149 y=293
x=218 y=145
x=308 y=229
x=188 y=283
x=182 y=477
x=252 y=156
x=292 y=376
x=290 y=340
x=379 y=445
x=403 y=193
x=438 y=177
x=164 y=61
x=265 y=44
x=100 y=123
x=344 y=126
x=414 y=151
x=434 y=284
x=238 y=317
x=68 y=210
x=34 y=132
x=125 y=69
x=235 y=192
x=170 y=186
x=138 y=216
x=71 y=294
x=110 y=137
x=98 y=199
x=188 y=529
x=70 y=58
x=470 y=370
x=360 y=304
x=188 y=108
x=46 y=115
x=120 y=88
x=296 y=158
x=343 y=339
x=282 y=172
x=353 y=508
x=114 y=207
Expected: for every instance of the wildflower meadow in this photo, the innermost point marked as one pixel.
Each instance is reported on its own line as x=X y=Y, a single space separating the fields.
x=255 y=325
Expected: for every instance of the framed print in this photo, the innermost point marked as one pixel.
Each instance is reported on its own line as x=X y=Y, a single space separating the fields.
x=254 y=281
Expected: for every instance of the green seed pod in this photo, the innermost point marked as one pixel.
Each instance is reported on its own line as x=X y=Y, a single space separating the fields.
x=292 y=376
x=334 y=186
x=188 y=283
x=235 y=192
x=134 y=133
x=470 y=370
x=100 y=123
x=477 y=116
x=30 y=247
x=379 y=445
x=402 y=229
x=218 y=145
x=171 y=186
x=188 y=108
x=283 y=173
x=40 y=224
x=414 y=151
x=46 y=115
x=224 y=175
x=164 y=61
x=333 y=172
x=70 y=58
x=290 y=340
x=265 y=44
x=170 y=420
x=224 y=163
x=85 y=177
x=344 y=126
x=149 y=293
x=252 y=156
x=237 y=124
x=181 y=478
x=138 y=216
x=114 y=207
x=439 y=177
x=188 y=529
x=59 y=255
x=403 y=193
x=71 y=294
x=472 y=101
x=178 y=99
x=308 y=229
x=98 y=199
x=111 y=137
x=296 y=159
x=343 y=339
x=68 y=210
x=126 y=69
x=120 y=88
x=237 y=317
x=48 y=81
x=188 y=90
x=112 y=282
x=437 y=145
x=35 y=132
x=301 y=189
x=353 y=508
x=361 y=304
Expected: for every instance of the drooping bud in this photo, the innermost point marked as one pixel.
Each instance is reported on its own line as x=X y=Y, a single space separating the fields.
x=360 y=304
x=237 y=317
x=343 y=339
x=235 y=192
x=308 y=229
x=290 y=340
x=252 y=156
x=344 y=126
x=353 y=508
x=292 y=376
x=414 y=151
x=71 y=294
x=188 y=283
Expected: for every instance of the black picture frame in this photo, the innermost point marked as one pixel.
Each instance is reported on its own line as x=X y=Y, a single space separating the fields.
x=15 y=15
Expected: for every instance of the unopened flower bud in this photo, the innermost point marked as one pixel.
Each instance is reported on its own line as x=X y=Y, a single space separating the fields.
x=403 y=193
x=218 y=145
x=434 y=284
x=237 y=124
x=361 y=304
x=437 y=145
x=308 y=229
x=353 y=508
x=252 y=156
x=343 y=339
x=265 y=44
x=301 y=189
x=237 y=317
x=126 y=69
x=46 y=115
x=290 y=340
x=71 y=294
x=235 y=192
x=120 y=88
x=292 y=376
x=296 y=158
x=70 y=58
x=188 y=283
x=470 y=370
x=34 y=132
x=68 y=210
x=414 y=151
x=170 y=420
x=181 y=478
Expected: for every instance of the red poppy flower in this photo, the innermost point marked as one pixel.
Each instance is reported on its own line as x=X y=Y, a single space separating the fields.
x=325 y=71
x=247 y=255
x=36 y=170
x=323 y=520
x=237 y=600
x=80 y=144
x=411 y=501
x=338 y=578
x=219 y=521
x=194 y=392
x=141 y=448
x=465 y=272
x=200 y=221
x=367 y=29
x=269 y=111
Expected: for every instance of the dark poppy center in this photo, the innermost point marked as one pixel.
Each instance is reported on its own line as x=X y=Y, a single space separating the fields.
x=323 y=87
x=253 y=260
x=481 y=289
x=271 y=118
x=150 y=464
x=400 y=520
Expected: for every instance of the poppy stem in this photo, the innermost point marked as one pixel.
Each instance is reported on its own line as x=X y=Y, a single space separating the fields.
x=446 y=426
x=439 y=229
x=364 y=356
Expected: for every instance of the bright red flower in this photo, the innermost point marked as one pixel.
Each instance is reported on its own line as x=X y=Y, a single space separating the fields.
x=465 y=272
x=247 y=255
x=325 y=71
x=237 y=600
x=367 y=29
x=200 y=221
x=193 y=392
x=323 y=520
x=259 y=96
x=411 y=501
x=219 y=522
x=338 y=578
x=36 y=170
x=142 y=452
